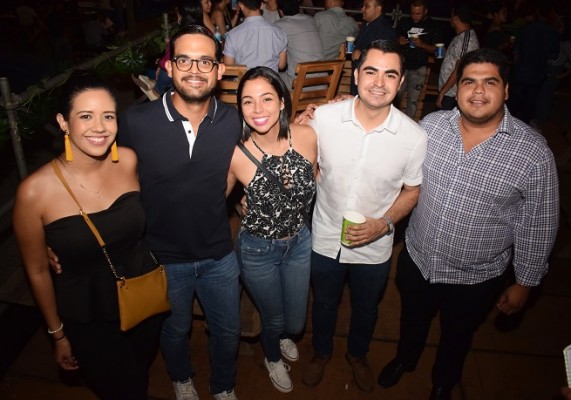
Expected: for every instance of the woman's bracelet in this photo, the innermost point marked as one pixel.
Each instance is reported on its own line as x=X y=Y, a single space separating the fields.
x=57 y=330
x=59 y=338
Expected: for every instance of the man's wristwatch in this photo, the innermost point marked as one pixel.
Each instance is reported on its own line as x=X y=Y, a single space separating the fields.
x=389 y=224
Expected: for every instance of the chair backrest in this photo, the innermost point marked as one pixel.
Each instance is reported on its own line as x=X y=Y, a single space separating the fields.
x=316 y=82
x=227 y=87
x=345 y=81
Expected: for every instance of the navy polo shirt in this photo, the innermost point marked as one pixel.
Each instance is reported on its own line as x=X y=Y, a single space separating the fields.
x=379 y=29
x=183 y=193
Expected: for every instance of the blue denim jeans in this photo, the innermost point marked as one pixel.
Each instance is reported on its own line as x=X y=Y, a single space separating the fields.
x=276 y=274
x=216 y=284
x=366 y=282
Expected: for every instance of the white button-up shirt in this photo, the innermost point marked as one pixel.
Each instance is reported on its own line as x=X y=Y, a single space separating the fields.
x=364 y=172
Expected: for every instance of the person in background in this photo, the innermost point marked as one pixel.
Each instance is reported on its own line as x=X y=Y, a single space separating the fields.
x=464 y=42
x=495 y=36
x=28 y=19
x=370 y=161
x=80 y=305
x=427 y=33
x=256 y=42
x=334 y=26
x=303 y=42
x=375 y=27
x=557 y=69
x=473 y=220
x=206 y=20
x=97 y=31
x=221 y=17
x=274 y=243
x=270 y=10
x=535 y=43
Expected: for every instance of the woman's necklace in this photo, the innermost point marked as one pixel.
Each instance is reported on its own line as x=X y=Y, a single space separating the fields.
x=285 y=172
x=97 y=192
x=73 y=174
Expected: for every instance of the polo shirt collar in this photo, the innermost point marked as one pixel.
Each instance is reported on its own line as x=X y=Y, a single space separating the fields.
x=337 y=10
x=254 y=18
x=173 y=114
x=390 y=124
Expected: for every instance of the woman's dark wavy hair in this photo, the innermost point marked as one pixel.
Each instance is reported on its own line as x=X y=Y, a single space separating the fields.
x=191 y=12
x=77 y=83
x=279 y=86
x=195 y=30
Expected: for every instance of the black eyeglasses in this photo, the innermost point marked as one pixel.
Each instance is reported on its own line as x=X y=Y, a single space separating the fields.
x=204 y=65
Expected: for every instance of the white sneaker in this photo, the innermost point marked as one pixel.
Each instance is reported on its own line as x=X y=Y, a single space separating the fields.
x=279 y=375
x=185 y=390
x=225 y=396
x=289 y=350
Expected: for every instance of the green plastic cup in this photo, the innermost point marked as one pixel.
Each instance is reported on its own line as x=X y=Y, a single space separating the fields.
x=350 y=218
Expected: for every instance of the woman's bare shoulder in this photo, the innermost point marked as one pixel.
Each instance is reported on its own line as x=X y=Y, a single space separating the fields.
x=303 y=133
x=36 y=186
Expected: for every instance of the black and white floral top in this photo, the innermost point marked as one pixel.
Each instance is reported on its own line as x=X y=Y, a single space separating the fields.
x=271 y=213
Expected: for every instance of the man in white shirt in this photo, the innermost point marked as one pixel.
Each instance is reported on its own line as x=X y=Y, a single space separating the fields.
x=370 y=161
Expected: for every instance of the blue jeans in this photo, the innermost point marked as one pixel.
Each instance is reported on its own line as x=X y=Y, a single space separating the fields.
x=366 y=282
x=276 y=274
x=216 y=284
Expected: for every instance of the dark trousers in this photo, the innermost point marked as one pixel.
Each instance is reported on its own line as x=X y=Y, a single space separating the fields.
x=115 y=364
x=462 y=309
x=366 y=281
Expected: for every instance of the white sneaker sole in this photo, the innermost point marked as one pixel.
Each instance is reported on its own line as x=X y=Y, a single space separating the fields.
x=278 y=387
x=284 y=355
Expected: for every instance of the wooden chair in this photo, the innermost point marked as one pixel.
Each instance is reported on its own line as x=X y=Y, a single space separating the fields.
x=227 y=87
x=345 y=81
x=316 y=82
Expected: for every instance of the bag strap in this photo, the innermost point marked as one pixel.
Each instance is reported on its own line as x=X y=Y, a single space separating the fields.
x=275 y=180
x=88 y=221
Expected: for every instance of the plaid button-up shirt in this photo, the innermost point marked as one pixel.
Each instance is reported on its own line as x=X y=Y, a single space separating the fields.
x=481 y=210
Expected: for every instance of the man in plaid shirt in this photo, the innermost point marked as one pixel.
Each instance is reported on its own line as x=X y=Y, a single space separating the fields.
x=489 y=199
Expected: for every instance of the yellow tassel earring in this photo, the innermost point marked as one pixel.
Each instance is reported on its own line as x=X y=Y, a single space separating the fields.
x=67 y=144
x=114 y=152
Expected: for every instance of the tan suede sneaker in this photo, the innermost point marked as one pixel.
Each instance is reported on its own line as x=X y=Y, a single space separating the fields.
x=361 y=372
x=313 y=370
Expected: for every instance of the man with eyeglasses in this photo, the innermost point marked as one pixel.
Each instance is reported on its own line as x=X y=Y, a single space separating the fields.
x=184 y=142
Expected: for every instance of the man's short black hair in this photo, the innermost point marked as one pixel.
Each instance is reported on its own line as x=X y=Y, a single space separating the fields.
x=481 y=56
x=289 y=7
x=464 y=12
x=252 y=4
x=195 y=30
x=386 y=46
